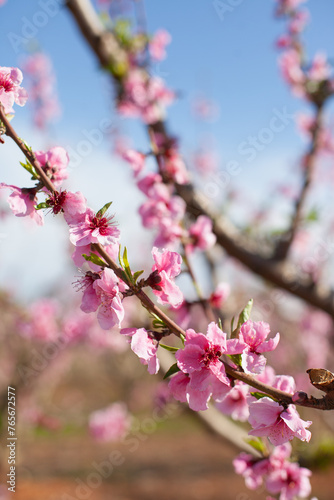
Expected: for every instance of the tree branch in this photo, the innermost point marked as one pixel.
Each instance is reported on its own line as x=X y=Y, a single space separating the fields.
x=106 y=48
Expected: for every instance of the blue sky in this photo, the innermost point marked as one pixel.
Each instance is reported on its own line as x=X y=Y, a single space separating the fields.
x=232 y=61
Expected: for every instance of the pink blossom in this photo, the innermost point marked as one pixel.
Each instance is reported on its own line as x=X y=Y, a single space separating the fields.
x=200 y=358
x=178 y=386
x=73 y=205
x=290 y=481
x=251 y=468
x=175 y=167
x=287 y=6
x=219 y=296
x=10 y=90
x=205 y=162
x=144 y=97
x=54 y=163
x=290 y=64
x=299 y=21
x=42 y=91
x=22 y=202
x=111 y=423
x=158 y=44
x=152 y=185
x=201 y=234
x=168 y=266
x=320 y=69
x=283 y=41
x=254 y=335
x=268 y=418
x=135 y=159
x=236 y=402
x=170 y=233
x=42 y=322
x=92 y=228
x=205 y=109
x=102 y=292
x=144 y=347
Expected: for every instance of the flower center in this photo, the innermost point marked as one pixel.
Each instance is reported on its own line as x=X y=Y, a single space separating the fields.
x=56 y=201
x=100 y=223
x=6 y=83
x=211 y=355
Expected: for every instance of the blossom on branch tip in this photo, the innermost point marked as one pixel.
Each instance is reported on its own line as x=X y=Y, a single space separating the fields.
x=168 y=266
x=144 y=347
x=270 y=419
x=10 y=90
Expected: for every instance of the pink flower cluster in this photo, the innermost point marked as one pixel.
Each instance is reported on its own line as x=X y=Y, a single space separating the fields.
x=42 y=92
x=143 y=97
x=110 y=424
x=280 y=475
x=10 y=90
x=202 y=373
x=162 y=210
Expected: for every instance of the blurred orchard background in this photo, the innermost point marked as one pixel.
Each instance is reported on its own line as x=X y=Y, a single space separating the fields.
x=223 y=65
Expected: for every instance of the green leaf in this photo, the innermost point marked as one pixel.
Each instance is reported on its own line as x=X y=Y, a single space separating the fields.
x=136 y=275
x=41 y=205
x=95 y=259
x=173 y=369
x=257 y=444
x=220 y=325
x=236 y=358
x=312 y=216
x=169 y=348
x=183 y=338
x=124 y=263
x=232 y=323
x=29 y=168
x=103 y=210
x=243 y=317
x=260 y=395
